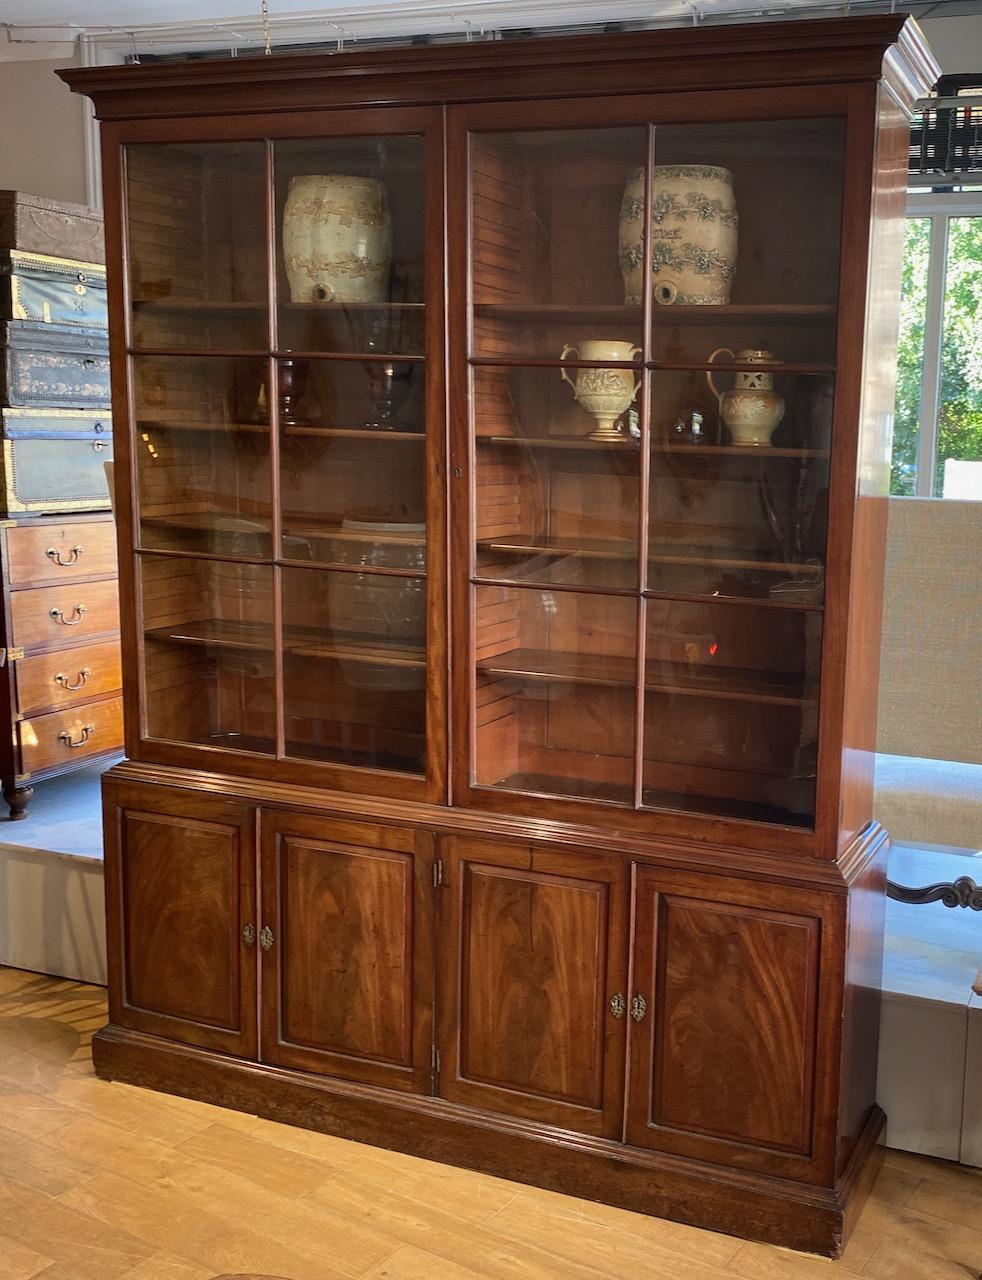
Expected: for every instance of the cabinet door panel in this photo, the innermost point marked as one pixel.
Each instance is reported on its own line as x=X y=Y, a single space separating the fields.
x=725 y=1058
x=534 y=951
x=180 y=889
x=349 y=973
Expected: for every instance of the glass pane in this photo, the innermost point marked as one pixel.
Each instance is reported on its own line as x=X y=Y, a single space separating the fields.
x=557 y=230
x=354 y=668
x=910 y=358
x=555 y=504
x=197 y=245
x=352 y=462
x=731 y=710
x=739 y=485
x=959 y=460
x=208 y=652
x=350 y=239
x=202 y=454
x=719 y=238
x=555 y=692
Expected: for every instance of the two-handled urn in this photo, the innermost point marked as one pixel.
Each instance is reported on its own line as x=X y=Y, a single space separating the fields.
x=604 y=393
x=753 y=409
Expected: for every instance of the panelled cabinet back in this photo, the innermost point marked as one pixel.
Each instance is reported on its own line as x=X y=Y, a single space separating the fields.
x=505 y=430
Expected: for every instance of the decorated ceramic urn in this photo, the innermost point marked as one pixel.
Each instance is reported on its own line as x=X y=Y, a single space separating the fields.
x=752 y=410
x=693 y=235
x=337 y=239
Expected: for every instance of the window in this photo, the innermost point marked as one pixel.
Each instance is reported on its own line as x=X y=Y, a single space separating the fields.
x=937 y=448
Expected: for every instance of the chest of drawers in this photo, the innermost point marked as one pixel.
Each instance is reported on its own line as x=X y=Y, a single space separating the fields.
x=60 y=679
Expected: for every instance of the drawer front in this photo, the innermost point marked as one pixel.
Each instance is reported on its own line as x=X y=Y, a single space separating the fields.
x=53 y=681
x=66 y=737
x=50 y=617
x=60 y=552
x=56 y=379
x=57 y=291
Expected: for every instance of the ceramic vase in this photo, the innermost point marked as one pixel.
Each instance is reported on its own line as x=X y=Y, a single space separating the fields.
x=752 y=410
x=337 y=239
x=693 y=235
x=604 y=393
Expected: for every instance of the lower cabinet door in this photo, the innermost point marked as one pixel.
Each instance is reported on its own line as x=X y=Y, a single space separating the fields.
x=180 y=900
x=733 y=1049
x=532 y=983
x=348 y=949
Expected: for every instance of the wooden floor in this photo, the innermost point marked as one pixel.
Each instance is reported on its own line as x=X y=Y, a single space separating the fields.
x=106 y=1182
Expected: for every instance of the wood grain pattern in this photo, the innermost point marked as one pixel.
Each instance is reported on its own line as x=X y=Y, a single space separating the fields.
x=348 y=986
x=63 y=616
x=180 y=887
x=52 y=680
x=533 y=952
x=68 y=737
x=78 y=550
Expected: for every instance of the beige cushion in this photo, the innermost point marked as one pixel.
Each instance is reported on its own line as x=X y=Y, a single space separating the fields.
x=929 y=801
x=931 y=655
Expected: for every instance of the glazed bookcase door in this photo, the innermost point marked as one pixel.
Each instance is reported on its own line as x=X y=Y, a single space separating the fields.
x=532 y=977
x=649 y=388
x=284 y=375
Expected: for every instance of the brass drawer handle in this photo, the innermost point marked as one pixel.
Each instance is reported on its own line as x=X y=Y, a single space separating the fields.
x=86 y=732
x=249 y=935
x=54 y=554
x=66 y=683
x=59 y=616
x=266 y=937
x=639 y=1007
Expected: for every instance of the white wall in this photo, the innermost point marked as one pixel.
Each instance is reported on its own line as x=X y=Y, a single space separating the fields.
x=956 y=43
x=42 y=131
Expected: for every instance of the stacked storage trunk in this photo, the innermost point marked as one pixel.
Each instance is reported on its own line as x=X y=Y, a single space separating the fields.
x=61 y=665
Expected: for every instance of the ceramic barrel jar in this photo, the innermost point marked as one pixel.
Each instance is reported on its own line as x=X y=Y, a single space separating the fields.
x=753 y=409
x=693 y=235
x=337 y=239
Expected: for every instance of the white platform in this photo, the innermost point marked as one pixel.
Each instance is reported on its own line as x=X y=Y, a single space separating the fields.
x=52 y=904
x=930 y=1068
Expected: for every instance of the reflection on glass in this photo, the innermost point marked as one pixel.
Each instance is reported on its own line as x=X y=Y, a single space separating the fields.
x=910 y=359
x=351 y=236
x=354 y=671
x=208 y=652
x=197 y=245
x=553 y=504
x=555 y=239
x=352 y=462
x=555 y=692
x=202 y=454
x=731 y=710
x=959 y=457
x=731 y=519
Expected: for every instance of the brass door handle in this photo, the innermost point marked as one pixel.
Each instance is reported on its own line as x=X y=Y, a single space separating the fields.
x=249 y=935
x=54 y=554
x=86 y=732
x=618 y=1005
x=59 y=616
x=66 y=683
x=639 y=1007
x=266 y=937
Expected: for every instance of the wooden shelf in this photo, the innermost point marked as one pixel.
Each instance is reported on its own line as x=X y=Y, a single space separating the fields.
x=743 y=810
x=547 y=784
x=582 y=548
x=218 y=633
x=552 y=313
x=206 y=305
x=616 y=549
x=764 y=452
x=730 y=683
x=352 y=433
x=627 y=445
x=334 y=533
x=196 y=424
